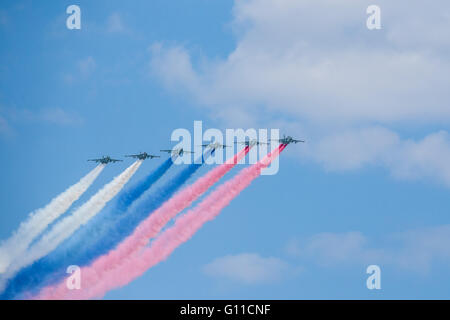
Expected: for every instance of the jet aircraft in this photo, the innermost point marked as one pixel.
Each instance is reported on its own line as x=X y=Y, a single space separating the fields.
x=287 y=140
x=250 y=143
x=176 y=152
x=142 y=156
x=105 y=160
x=215 y=145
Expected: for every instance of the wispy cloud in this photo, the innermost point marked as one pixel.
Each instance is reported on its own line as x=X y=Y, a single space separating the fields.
x=328 y=71
x=416 y=251
x=247 y=268
x=422 y=247
x=412 y=250
x=59 y=116
x=3 y=18
x=115 y=23
x=86 y=66
x=335 y=79
x=12 y=116
x=5 y=129
x=428 y=157
x=84 y=69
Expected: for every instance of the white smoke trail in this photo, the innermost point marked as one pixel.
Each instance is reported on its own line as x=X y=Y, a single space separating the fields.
x=66 y=227
x=40 y=219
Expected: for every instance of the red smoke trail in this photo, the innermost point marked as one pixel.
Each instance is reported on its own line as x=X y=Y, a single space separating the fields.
x=150 y=227
x=101 y=277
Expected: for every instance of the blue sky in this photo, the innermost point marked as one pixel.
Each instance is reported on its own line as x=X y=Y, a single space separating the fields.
x=370 y=186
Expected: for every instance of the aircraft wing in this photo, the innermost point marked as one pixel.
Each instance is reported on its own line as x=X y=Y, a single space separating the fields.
x=95 y=160
x=132 y=155
x=170 y=151
x=115 y=160
x=152 y=156
x=295 y=141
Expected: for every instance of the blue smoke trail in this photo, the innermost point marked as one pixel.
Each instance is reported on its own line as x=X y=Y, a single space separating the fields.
x=125 y=199
x=128 y=196
x=80 y=250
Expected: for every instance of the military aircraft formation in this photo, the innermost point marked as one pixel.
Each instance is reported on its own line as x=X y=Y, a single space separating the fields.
x=181 y=151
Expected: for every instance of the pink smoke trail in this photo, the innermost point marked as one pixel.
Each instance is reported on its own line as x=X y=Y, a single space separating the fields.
x=101 y=277
x=150 y=227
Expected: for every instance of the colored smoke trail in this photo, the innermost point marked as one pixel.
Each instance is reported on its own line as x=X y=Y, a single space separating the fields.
x=66 y=227
x=103 y=225
x=96 y=282
x=98 y=239
x=128 y=196
x=40 y=219
x=156 y=221
x=106 y=237
x=150 y=227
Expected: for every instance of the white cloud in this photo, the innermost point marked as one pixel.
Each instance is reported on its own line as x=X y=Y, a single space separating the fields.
x=335 y=247
x=86 y=66
x=82 y=71
x=115 y=23
x=314 y=63
x=428 y=157
x=352 y=149
x=248 y=268
x=422 y=247
x=5 y=129
x=316 y=60
x=330 y=249
x=56 y=116
x=59 y=116
x=413 y=250
x=3 y=18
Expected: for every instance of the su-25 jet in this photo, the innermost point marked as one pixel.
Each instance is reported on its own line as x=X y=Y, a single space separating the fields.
x=215 y=145
x=105 y=160
x=142 y=156
x=176 y=152
x=251 y=143
x=287 y=140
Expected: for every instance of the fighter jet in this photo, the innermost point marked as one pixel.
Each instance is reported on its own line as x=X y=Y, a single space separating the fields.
x=215 y=145
x=176 y=152
x=104 y=160
x=287 y=140
x=250 y=143
x=142 y=156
